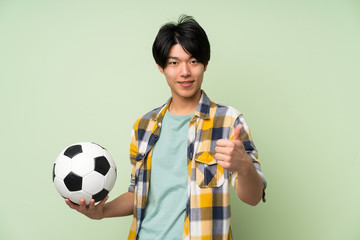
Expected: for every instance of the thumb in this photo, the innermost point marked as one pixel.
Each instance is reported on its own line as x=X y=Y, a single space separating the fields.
x=237 y=132
x=102 y=203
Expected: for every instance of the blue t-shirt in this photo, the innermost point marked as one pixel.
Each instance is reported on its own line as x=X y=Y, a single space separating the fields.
x=165 y=209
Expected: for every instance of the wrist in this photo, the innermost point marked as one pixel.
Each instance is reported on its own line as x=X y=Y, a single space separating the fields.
x=246 y=166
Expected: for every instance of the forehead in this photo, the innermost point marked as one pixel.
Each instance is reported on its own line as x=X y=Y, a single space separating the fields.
x=178 y=52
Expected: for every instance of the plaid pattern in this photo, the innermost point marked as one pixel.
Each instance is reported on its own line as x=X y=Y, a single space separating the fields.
x=208 y=204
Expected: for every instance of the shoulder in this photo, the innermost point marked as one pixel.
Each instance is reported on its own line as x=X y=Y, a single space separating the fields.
x=149 y=116
x=226 y=115
x=221 y=110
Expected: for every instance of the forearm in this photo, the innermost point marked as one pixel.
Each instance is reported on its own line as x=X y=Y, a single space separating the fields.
x=120 y=206
x=250 y=185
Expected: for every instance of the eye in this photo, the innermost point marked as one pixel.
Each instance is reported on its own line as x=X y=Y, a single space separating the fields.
x=172 y=63
x=194 y=61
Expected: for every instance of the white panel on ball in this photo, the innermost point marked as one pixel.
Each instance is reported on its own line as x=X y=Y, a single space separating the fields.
x=110 y=179
x=93 y=183
x=83 y=164
x=63 y=166
x=76 y=196
x=61 y=188
x=92 y=149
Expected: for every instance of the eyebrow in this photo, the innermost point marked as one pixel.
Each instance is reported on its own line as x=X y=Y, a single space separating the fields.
x=176 y=58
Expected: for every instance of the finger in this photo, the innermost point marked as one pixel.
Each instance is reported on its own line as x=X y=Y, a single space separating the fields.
x=70 y=204
x=224 y=143
x=104 y=200
x=102 y=203
x=92 y=204
x=237 y=132
x=223 y=164
x=222 y=157
x=223 y=150
x=82 y=205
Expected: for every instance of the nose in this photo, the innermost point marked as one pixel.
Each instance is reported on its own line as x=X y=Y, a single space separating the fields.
x=185 y=70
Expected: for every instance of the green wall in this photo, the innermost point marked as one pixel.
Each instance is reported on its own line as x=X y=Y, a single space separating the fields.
x=83 y=71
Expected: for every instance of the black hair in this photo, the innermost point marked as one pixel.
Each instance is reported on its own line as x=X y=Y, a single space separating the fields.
x=186 y=32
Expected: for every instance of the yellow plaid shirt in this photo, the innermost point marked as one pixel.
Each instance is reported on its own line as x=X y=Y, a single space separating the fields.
x=208 y=205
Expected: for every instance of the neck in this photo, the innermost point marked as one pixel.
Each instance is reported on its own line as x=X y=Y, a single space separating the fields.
x=184 y=106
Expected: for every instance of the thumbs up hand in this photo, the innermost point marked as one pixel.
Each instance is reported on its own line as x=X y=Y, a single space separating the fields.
x=231 y=154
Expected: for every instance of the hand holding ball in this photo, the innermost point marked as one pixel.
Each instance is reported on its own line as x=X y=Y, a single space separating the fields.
x=84 y=170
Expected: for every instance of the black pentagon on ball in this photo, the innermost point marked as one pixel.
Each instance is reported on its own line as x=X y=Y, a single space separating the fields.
x=102 y=165
x=73 y=182
x=72 y=151
x=53 y=173
x=100 y=195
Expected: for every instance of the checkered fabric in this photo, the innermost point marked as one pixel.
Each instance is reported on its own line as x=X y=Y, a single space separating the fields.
x=208 y=204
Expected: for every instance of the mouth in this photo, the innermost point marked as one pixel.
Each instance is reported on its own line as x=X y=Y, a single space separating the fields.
x=186 y=83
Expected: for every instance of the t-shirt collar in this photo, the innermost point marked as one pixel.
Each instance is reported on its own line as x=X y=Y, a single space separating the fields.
x=202 y=109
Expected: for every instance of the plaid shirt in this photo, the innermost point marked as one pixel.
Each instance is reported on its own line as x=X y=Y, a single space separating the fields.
x=208 y=205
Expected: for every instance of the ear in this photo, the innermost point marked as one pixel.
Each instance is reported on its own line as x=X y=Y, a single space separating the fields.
x=160 y=68
x=205 y=66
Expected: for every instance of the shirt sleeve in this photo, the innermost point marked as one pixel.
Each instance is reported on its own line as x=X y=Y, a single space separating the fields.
x=133 y=153
x=250 y=150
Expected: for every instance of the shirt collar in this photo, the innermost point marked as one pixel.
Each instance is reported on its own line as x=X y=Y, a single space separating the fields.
x=202 y=109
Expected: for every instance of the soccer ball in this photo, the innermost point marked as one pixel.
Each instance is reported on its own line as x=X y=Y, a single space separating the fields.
x=84 y=170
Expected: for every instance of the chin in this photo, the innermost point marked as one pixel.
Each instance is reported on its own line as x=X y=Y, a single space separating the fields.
x=188 y=95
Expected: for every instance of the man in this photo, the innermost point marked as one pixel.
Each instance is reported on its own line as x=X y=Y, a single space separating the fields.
x=186 y=153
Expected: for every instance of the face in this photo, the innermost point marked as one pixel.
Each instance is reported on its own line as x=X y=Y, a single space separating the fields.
x=184 y=74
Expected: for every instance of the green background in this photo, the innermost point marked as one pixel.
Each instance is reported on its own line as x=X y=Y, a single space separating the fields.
x=75 y=71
